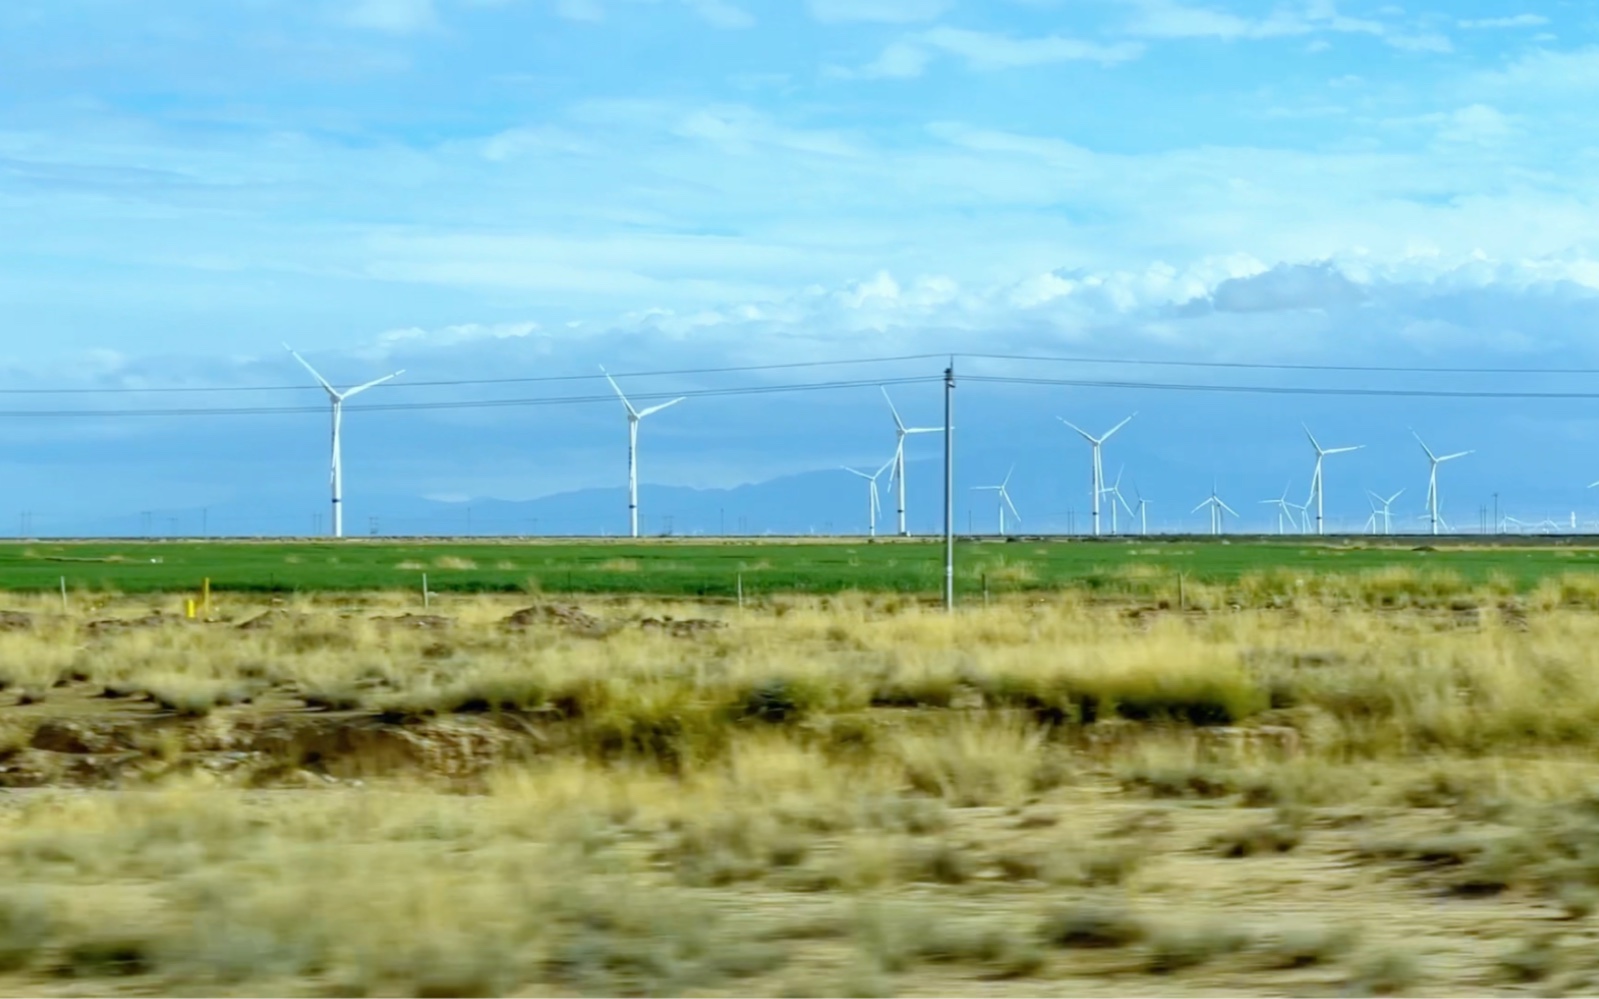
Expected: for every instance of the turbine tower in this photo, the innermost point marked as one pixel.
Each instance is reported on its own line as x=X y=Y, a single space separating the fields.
x=337 y=398
x=874 y=505
x=1097 y=443
x=1002 y=499
x=1217 y=507
x=898 y=476
x=633 y=418
x=1432 y=479
x=1316 y=490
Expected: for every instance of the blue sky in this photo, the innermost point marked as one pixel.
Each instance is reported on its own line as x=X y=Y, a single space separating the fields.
x=498 y=188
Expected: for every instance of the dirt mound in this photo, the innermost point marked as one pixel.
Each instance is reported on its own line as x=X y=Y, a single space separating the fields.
x=117 y=625
x=417 y=622
x=684 y=628
x=15 y=620
x=573 y=618
x=270 y=750
x=271 y=619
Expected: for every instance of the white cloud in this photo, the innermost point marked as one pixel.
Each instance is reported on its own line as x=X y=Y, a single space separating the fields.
x=986 y=51
x=580 y=10
x=1478 y=124
x=720 y=13
x=1174 y=19
x=1547 y=72
x=1514 y=21
x=397 y=16
x=881 y=11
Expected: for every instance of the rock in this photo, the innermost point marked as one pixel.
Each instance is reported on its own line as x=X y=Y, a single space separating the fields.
x=11 y=620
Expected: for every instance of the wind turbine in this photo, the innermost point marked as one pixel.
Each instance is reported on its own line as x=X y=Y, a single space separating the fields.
x=1216 y=508
x=633 y=418
x=1099 y=469
x=337 y=398
x=1386 y=512
x=1316 y=489
x=1115 y=494
x=1284 y=510
x=871 y=481
x=1432 y=478
x=1002 y=499
x=1143 y=512
x=900 y=433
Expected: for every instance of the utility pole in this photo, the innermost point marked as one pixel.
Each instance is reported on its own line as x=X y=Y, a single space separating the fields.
x=1496 y=513
x=949 y=487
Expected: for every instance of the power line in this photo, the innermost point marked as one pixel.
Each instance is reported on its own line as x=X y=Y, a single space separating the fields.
x=471 y=403
x=531 y=379
x=1279 y=389
x=1269 y=366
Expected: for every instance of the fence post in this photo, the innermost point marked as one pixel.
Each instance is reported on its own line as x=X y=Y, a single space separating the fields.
x=63 y=594
x=1182 y=595
x=741 y=591
x=985 y=590
x=426 y=600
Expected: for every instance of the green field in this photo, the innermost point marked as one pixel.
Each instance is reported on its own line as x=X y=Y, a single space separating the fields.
x=714 y=569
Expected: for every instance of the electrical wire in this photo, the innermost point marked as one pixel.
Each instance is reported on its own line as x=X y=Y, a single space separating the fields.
x=472 y=403
x=1270 y=366
x=531 y=379
x=1279 y=389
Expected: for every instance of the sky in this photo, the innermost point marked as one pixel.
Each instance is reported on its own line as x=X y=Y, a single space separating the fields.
x=483 y=190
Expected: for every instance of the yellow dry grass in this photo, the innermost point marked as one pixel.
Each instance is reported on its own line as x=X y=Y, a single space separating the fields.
x=856 y=795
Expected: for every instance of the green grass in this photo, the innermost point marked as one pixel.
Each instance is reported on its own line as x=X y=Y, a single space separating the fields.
x=1135 y=568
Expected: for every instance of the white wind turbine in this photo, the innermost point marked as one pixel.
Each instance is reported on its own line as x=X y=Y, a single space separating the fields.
x=1143 y=512
x=1386 y=513
x=875 y=505
x=1432 y=479
x=1285 y=510
x=337 y=398
x=1115 y=494
x=1002 y=499
x=1316 y=488
x=1099 y=469
x=898 y=476
x=1217 y=508
x=633 y=418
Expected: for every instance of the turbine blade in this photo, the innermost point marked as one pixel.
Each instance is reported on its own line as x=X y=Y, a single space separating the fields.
x=314 y=374
x=1224 y=506
x=618 y=390
x=1006 y=497
x=1423 y=444
x=1090 y=438
x=1343 y=450
x=855 y=471
x=897 y=421
x=656 y=409
x=1457 y=454
x=1200 y=507
x=1117 y=427
x=1312 y=437
x=375 y=381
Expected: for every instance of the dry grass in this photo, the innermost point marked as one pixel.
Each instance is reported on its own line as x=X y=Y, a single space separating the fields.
x=845 y=795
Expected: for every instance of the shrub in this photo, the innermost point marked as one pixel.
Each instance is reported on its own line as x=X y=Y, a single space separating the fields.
x=1091 y=925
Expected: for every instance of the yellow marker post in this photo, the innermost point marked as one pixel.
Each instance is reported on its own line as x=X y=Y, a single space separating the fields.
x=190 y=607
x=206 y=600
